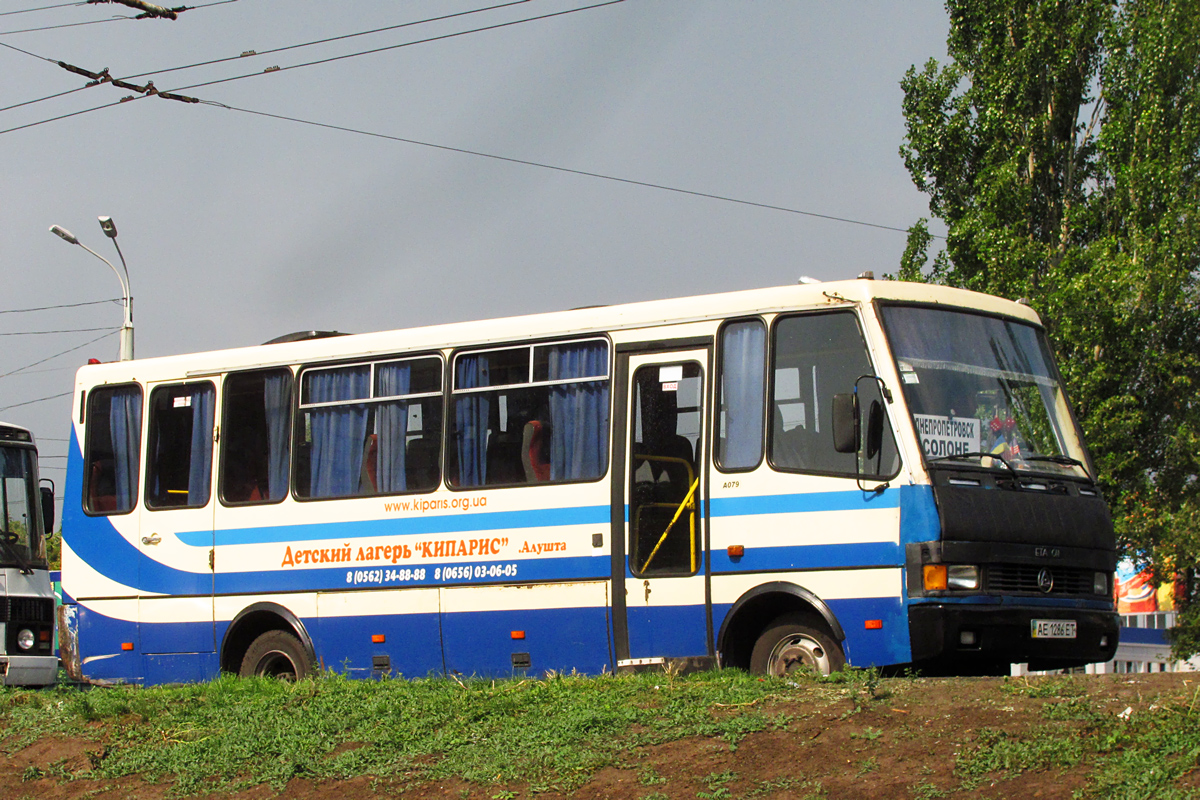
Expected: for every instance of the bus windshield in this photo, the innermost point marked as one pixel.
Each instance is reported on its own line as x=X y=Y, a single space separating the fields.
x=19 y=508
x=981 y=390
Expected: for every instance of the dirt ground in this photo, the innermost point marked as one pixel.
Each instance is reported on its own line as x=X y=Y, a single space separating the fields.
x=902 y=743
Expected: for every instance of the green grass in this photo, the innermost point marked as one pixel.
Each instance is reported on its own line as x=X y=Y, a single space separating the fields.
x=1141 y=756
x=556 y=733
x=235 y=733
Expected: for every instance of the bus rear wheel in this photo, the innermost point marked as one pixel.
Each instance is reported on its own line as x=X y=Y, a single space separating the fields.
x=791 y=645
x=276 y=654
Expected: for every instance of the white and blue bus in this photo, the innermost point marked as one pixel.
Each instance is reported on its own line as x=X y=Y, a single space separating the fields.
x=26 y=596
x=860 y=472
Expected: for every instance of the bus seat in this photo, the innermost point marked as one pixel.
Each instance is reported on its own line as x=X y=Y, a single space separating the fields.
x=369 y=480
x=102 y=490
x=421 y=463
x=787 y=446
x=504 y=458
x=534 y=443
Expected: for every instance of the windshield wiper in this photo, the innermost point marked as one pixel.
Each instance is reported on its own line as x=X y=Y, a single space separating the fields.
x=1065 y=461
x=980 y=454
x=9 y=541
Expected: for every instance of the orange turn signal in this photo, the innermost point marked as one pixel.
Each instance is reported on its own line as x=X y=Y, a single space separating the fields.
x=935 y=577
x=378 y=638
x=518 y=634
x=735 y=550
x=873 y=624
x=126 y=645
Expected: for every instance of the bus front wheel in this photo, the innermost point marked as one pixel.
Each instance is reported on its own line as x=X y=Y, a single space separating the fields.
x=790 y=644
x=276 y=654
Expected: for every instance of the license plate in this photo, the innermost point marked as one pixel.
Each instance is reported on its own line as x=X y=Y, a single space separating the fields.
x=1052 y=628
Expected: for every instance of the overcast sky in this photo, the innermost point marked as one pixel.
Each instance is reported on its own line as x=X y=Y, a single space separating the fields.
x=238 y=227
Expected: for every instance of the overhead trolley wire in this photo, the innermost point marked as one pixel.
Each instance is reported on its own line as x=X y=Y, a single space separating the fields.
x=63 y=353
x=41 y=8
x=44 y=333
x=63 y=305
x=117 y=18
x=276 y=70
x=442 y=37
x=568 y=170
x=5 y=408
x=254 y=53
x=114 y=18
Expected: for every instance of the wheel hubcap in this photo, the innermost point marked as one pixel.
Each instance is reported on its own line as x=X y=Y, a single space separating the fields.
x=276 y=664
x=798 y=653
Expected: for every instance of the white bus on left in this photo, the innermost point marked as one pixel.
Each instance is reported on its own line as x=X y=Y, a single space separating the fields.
x=27 y=613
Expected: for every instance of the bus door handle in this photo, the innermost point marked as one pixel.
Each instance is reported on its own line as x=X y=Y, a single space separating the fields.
x=153 y=538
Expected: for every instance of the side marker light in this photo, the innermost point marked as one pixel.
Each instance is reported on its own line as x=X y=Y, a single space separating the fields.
x=873 y=624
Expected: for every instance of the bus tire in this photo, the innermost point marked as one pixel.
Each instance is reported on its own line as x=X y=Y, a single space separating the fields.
x=276 y=654
x=791 y=644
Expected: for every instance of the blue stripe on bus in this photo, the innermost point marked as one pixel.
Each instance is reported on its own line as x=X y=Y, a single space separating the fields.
x=820 y=556
x=408 y=526
x=803 y=502
x=530 y=518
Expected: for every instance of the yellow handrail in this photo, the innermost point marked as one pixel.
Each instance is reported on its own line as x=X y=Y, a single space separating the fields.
x=687 y=503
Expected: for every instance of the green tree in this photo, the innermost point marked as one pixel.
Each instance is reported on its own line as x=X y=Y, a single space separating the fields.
x=1061 y=147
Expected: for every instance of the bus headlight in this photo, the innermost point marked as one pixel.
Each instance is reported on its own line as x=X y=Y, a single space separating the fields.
x=1100 y=583
x=25 y=639
x=963 y=576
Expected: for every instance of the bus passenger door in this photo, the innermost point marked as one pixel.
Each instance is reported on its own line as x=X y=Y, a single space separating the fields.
x=660 y=604
x=175 y=594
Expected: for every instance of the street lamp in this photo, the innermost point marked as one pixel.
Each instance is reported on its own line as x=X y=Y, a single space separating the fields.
x=110 y=230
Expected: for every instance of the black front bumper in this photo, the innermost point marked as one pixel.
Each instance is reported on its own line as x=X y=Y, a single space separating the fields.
x=1002 y=636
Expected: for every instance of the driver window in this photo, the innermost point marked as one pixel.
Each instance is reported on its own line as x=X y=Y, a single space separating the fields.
x=815 y=357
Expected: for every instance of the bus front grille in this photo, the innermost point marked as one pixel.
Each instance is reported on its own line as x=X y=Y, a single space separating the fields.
x=27 y=609
x=1021 y=578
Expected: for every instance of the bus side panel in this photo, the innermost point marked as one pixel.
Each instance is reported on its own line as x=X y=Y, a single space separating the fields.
x=181 y=668
x=350 y=625
x=667 y=631
x=495 y=630
x=876 y=630
x=106 y=629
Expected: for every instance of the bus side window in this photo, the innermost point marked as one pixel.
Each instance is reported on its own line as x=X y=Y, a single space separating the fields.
x=530 y=414
x=817 y=356
x=742 y=391
x=256 y=436
x=113 y=449
x=369 y=429
x=179 y=452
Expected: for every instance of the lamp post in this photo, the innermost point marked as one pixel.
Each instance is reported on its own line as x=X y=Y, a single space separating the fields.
x=110 y=230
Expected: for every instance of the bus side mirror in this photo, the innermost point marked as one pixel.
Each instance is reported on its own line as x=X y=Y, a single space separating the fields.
x=874 y=429
x=48 y=508
x=845 y=423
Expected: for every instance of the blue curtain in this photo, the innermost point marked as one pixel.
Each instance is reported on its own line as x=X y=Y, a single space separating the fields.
x=471 y=420
x=125 y=428
x=392 y=425
x=277 y=403
x=338 y=432
x=743 y=367
x=578 y=412
x=200 y=463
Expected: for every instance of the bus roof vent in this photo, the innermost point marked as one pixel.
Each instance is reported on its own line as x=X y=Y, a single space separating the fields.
x=304 y=336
